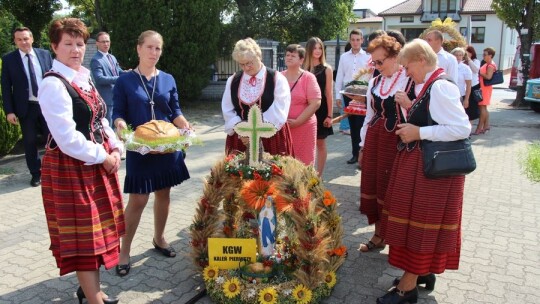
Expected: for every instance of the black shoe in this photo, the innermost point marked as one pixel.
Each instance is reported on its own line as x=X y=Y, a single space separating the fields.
x=122 y=270
x=396 y=296
x=428 y=279
x=35 y=181
x=81 y=296
x=353 y=160
x=168 y=252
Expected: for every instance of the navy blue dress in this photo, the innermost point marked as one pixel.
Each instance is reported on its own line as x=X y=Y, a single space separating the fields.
x=150 y=172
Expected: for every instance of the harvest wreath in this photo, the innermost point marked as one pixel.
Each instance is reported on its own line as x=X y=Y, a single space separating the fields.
x=308 y=246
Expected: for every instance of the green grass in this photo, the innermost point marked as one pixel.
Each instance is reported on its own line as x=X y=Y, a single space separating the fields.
x=531 y=162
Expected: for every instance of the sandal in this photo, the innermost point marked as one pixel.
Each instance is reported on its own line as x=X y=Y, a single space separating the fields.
x=168 y=252
x=122 y=270
x=369 y=246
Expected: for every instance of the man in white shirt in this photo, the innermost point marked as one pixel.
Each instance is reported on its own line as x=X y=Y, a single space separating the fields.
x=444 y=59
x=349 y=64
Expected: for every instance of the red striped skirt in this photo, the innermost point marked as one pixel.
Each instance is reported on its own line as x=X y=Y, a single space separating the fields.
x=421 y=218
x=84 y=211
x=279 y=144
x=378 y=157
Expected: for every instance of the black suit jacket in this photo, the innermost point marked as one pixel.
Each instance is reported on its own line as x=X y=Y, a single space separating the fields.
x=15 y=89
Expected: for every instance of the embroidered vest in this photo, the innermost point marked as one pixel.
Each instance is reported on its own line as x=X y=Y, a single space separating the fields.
x=266 y=100
x=86 y=114
x=388 y=108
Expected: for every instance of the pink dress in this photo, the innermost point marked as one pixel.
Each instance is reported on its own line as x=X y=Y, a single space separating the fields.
x=486 y=90
x=304 y=136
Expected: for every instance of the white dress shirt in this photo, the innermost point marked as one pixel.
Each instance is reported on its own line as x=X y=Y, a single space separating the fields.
x=446 y=109
x=57 y=108
x=37 y=70
x=464 y=73
x=401 y=84
x=248 y=94
x=448 y=62
x=349 y=64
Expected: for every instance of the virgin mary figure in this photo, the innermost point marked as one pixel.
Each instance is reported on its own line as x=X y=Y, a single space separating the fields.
x=267 y=227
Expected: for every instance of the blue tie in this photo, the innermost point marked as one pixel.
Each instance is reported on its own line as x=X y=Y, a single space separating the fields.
x=33 y=79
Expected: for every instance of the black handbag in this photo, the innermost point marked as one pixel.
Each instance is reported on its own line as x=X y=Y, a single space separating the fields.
x=477 y=95
x=447 y=158
x=497 y=78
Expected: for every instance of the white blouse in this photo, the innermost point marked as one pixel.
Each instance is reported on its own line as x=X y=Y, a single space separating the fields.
x=475 y=68
x=464 y=73
x=401 y=84
x=446 y=109
x=57 y=108
x=249 y=94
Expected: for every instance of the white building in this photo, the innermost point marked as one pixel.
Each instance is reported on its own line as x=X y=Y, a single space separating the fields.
x=476 y=19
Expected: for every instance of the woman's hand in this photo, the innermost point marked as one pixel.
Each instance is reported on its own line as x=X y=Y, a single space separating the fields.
x=182 y=123
x=112 y=162
x=293 y=123
x=403 y=100
x=408 y=132
x=327 y=122
x=121 y=125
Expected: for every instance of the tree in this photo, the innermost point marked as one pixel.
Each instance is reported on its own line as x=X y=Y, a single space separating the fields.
x=288 y=21
x=524 y=17
x=90 y=12
x=34 y=14
x=190 y=30
x=7 y=24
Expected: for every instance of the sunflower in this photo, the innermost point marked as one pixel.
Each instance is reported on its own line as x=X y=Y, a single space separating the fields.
x=210 y=272
x=231 y=288
x=330 y=279
x=254 y=193
x=301 y=294
x=268 y=296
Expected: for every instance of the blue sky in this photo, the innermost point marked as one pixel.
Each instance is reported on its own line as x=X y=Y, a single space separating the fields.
x=376 y=5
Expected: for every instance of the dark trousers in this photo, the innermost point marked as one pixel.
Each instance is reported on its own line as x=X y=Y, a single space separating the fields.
x=355 y=123
x=32 y=125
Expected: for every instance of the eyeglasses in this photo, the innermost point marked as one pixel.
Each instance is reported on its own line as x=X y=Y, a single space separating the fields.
x=104 y=41
x=246 y=65
x=378 y=62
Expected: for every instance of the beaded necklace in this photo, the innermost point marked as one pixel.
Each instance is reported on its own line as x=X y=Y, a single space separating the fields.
x=385 y=94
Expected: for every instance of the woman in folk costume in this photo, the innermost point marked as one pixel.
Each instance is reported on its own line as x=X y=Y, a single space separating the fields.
x=260 y=86
x=81 y=192
x=378 y=136
x=421 y=217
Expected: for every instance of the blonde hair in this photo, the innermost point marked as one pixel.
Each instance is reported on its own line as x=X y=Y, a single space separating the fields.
x=458 y=50
x=146 y=34
x=310 y=47
x=246 y=49
x=417 y=50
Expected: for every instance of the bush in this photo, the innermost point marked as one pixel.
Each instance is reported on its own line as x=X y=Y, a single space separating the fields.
x=9 y=134
x=531 y=162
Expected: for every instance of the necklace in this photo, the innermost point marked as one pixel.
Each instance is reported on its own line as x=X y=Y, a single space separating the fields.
x=392 y=85
x=151 y=97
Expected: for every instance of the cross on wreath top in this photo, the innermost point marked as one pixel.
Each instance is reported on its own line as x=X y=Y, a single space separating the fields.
x=254 y=129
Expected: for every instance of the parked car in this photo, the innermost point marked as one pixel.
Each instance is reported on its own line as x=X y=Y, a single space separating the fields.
x=532 y=94
x=516 y=75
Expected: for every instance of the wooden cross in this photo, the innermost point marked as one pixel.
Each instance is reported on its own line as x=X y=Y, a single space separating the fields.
x=254 y=129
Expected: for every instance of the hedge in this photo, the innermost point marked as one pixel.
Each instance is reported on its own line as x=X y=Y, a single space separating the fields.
x=9 y=134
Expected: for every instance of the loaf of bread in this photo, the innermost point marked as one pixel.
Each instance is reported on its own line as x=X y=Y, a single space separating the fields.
x=356 y=89
x=156 y=132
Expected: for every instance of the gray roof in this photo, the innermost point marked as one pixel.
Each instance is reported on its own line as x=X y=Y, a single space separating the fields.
x=474 y=6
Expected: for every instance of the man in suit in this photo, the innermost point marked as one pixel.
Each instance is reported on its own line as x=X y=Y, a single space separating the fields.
x=22 y=71
x=105 y=71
